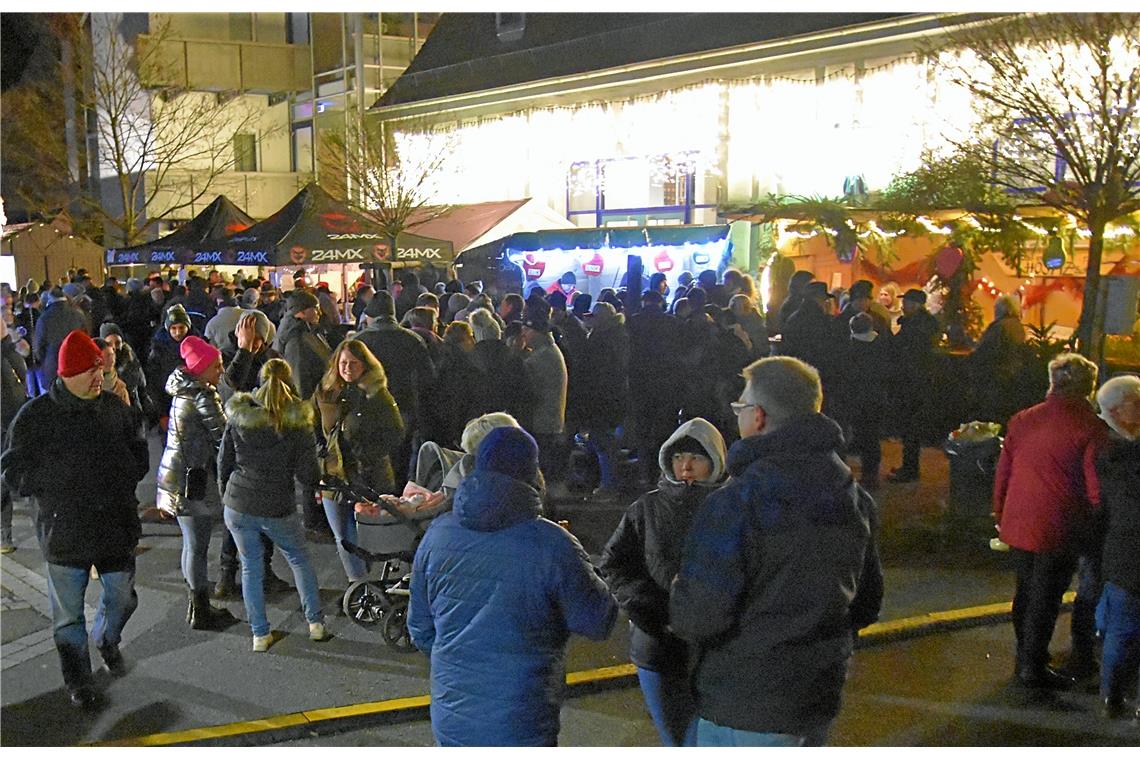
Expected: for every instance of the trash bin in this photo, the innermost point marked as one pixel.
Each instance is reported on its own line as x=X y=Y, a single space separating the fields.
x=973 y=462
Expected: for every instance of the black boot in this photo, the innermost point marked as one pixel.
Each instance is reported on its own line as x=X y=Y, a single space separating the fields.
x=227 y=586
x=202 y=617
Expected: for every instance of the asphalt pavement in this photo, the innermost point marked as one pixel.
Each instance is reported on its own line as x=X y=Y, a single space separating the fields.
x=916 y=680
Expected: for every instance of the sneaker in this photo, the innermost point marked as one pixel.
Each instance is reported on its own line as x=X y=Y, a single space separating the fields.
x=318 y=632
x=83 y=697
x=7 y=547
x=262 y=643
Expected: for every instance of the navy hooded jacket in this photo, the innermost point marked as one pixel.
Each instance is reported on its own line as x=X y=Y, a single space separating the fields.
x=496 y=592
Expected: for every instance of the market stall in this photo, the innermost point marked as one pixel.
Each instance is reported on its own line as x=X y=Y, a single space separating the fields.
x=217 y=220
x=596 y=258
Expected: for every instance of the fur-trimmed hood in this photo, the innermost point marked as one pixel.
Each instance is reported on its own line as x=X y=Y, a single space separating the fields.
x=244 y=411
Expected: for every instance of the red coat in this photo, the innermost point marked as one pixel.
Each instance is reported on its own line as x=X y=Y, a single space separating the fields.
x=1046 y=489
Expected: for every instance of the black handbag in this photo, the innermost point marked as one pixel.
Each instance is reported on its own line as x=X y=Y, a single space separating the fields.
x=195 y=489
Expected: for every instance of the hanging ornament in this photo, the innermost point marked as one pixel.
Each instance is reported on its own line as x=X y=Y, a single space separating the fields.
x=593 y=266
x=533 y=267
x=1054 y=256
x=948 y=260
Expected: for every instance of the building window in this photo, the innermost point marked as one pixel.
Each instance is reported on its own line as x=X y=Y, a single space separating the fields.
x=638 y=191
x=245 y=153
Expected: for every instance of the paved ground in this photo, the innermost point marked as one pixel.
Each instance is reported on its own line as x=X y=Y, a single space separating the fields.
x=182 y=680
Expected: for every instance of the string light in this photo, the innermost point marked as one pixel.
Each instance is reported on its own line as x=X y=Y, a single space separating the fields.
x=932 y=227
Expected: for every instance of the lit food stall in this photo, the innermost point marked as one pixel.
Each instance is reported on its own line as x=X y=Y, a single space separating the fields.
x=595 y=258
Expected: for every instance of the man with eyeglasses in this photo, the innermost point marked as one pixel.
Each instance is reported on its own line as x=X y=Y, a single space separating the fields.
x=780 y=570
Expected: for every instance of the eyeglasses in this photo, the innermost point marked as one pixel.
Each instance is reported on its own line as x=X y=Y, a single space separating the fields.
x=740 y=406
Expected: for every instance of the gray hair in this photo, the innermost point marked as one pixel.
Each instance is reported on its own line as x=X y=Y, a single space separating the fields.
x=484 y=325
x=1116 y=391
x=477 y=429
x=784 y=387
x=1007 y=305
x=1072 y=375
x=249 y=297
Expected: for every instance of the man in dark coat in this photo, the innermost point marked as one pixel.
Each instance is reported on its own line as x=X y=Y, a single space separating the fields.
x=56 y=322
x=859 y=301
x=779 y=572
x=77 y=450
x=1118 y=614
x=605 y=399
x=410 y=372
x=812 y=335
x=655 y=389
x=864 y=372
x=300 y=343
x=913 y=349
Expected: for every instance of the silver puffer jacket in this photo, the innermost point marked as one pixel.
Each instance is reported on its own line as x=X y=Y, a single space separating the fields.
x=197 y=420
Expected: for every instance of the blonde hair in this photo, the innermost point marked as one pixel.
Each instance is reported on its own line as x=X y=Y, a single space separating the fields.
x=276 y=392
x=332 y=380
x=477 y=429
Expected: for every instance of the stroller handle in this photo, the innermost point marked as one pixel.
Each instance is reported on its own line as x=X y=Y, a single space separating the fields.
x=361 y=492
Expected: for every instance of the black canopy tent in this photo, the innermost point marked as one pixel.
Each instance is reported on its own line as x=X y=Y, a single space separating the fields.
x=315 y=228
x=316 y=231
x=218 y=219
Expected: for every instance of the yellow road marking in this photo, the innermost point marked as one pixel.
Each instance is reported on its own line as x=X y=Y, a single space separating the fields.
x=390 y=706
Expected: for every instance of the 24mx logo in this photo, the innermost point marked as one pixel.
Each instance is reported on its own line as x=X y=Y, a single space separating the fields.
x=252 y=257
x=337 y=254
x=208 y=257
x=162 y=257
x=356 y=236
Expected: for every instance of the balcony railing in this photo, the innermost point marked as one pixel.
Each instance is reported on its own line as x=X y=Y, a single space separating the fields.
x=224 y=65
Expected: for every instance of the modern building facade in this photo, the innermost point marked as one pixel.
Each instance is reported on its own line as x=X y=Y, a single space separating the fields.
x=299 y=73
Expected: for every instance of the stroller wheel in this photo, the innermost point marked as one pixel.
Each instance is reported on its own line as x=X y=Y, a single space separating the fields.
x=363 y=604
x=395 y=631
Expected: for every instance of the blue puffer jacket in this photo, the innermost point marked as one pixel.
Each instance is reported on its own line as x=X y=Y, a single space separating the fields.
x=496 y=592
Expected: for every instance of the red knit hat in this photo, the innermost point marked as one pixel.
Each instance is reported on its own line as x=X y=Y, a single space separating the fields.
x=198 y=354
x=77 y=354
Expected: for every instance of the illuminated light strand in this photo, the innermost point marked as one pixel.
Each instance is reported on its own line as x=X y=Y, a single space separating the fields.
x=932 y=227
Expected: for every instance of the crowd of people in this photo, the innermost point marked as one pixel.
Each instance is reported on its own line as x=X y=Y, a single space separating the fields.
x=746 y=566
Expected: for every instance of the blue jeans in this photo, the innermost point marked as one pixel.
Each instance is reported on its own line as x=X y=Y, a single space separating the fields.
x=709 y=734
x=1118 y=618
x=342 y=520
x=66 y=588
x=286 y=533
x=196 y=531
x=671 y=705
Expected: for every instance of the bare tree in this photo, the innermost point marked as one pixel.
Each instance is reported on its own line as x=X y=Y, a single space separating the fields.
x=158 y=148
x=391 y=181
x=1056 y=97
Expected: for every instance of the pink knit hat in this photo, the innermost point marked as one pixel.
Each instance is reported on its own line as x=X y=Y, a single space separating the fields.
x=198 y=354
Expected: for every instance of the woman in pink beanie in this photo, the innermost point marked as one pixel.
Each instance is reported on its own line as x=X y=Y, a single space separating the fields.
x=197 y=420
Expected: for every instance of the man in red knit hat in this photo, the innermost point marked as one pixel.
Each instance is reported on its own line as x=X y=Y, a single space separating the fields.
x=77 y=450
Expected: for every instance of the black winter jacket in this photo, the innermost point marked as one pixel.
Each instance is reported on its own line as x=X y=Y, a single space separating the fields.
x=1118 y=469
x=81 y=459
x=406 y=362
x=779 y=570
x=257 y=465
x=306 y=352
x=243 y=367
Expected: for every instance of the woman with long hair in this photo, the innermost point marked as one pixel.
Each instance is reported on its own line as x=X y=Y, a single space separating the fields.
x=197 y=420
x=361 y=426
x=267 y=445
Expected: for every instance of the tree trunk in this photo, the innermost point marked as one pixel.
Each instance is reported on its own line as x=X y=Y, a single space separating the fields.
x=1090 y=330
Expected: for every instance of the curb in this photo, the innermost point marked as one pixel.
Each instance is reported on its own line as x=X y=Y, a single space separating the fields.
x=331 y=720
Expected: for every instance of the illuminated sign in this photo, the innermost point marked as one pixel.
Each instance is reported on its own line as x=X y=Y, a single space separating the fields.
x=419 y=253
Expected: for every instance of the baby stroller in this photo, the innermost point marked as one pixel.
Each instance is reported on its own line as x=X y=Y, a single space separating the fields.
x=388 y=532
